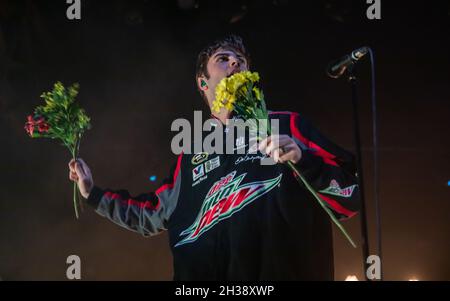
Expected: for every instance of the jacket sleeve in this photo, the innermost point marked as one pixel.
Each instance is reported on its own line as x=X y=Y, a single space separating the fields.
x=147 y=213
x=329 y=169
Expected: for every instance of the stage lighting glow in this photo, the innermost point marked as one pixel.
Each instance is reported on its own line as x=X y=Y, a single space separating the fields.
x=413 y=279
x=152 y=178
x=351 y=278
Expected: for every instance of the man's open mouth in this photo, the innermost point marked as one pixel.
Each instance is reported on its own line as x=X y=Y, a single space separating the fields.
x=234 y=72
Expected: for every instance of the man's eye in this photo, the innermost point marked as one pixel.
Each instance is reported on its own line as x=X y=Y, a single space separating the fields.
x=222 y=59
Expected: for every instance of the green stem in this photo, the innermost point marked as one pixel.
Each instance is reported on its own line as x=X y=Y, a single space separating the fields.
x=75 y=199
x=80 y=202
x=301 y=180
x=75 y=207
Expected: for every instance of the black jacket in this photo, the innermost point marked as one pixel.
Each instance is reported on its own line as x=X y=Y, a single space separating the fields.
x=231 y=218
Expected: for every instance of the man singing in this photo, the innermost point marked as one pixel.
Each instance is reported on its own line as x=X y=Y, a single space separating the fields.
x=230 y=217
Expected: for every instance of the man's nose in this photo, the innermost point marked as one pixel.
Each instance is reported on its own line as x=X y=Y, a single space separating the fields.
x=234 y=62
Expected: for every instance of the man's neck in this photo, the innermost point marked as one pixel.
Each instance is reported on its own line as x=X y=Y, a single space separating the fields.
x=223 y=115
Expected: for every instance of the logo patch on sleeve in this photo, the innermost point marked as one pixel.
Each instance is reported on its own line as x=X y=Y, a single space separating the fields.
x=199 y=158
x=212 y=164
x=335 y=189
x=198 y=172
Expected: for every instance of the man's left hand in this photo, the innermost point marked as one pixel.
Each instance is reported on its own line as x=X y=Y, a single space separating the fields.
x=281 y=148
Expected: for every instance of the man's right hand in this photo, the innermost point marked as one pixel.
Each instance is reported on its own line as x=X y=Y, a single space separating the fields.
x=79 y=172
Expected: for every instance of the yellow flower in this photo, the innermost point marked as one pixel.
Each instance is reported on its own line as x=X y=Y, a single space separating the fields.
x=222 y=91
x=220 y=95
x=231 y=99
x=229 y=88
x=229 y=106
x=257 y=93
x=254 y=77
x=216 y=106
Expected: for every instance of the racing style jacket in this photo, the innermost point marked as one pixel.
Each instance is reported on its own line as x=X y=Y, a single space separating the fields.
x=231 y=218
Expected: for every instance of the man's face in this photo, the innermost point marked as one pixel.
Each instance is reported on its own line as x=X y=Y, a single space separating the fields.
x=223 y=63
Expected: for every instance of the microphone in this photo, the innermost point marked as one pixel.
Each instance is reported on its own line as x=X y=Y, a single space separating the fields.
x=336 y=68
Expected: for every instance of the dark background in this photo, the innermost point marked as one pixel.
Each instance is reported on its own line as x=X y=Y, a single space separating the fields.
x=135 y=62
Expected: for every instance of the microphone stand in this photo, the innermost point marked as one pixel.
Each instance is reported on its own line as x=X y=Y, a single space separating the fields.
x=359 y=170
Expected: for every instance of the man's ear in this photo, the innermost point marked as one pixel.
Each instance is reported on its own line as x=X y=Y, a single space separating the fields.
x=202 y=83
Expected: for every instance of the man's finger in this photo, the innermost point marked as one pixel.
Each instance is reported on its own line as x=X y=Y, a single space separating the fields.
x=73 y=177
x=84 y=166
x=79 y=170
x=72 y=165
x=276 y=155
x=71 y=162
x=286 y=157
x=273 y=145
x=291 y=154
x=263 y=144
x=284 y=141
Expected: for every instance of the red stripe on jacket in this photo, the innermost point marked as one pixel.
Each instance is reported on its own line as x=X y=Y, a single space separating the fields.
x=336 y=206
x=175 y=175
x=132 y=202
x=327 y=157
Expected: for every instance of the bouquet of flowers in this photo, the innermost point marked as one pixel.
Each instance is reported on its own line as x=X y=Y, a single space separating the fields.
x=60 y=118
x=239 y=93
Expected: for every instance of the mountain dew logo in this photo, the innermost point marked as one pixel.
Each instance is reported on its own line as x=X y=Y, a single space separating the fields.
x=225 y=198
x=335 y=189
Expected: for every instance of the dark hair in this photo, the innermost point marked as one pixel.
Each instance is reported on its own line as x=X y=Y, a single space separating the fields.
x=230 y=42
